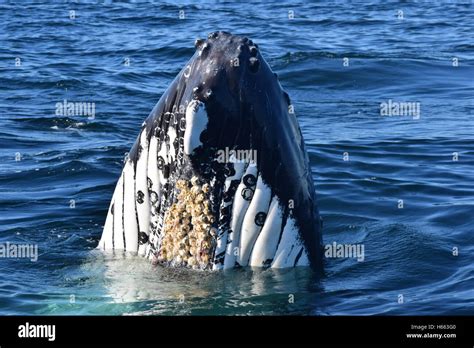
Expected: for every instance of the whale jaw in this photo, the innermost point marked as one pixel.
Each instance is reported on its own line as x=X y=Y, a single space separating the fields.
x=219 y=175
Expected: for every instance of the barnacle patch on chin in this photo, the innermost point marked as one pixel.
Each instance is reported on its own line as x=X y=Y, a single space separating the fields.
x=188 y=237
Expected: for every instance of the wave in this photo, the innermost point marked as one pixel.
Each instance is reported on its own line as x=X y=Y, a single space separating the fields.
x=64 y=123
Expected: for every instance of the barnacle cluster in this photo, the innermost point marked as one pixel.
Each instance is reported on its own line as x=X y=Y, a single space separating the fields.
x=188 y=234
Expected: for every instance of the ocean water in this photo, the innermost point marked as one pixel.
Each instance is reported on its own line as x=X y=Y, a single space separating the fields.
x=402 y=185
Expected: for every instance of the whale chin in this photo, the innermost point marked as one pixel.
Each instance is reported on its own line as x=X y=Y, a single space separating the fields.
x=219 y=175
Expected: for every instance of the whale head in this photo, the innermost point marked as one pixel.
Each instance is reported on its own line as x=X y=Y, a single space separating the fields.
x=219 y=176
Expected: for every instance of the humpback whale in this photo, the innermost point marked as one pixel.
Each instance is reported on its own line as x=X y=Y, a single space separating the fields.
x=219 y=176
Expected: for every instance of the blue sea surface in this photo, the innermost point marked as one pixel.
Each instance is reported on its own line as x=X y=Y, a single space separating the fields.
x=401 y=186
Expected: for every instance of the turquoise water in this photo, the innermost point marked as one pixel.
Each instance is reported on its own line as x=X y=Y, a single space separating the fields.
x=408 y=251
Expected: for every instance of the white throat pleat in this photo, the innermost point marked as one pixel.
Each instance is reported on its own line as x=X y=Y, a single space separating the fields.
x=240 y=205
x=267 y=241
x=254 y=220
x=223 y=232
x=290 y=247
x=130 y=231
x=142 y=197
x=118 y=242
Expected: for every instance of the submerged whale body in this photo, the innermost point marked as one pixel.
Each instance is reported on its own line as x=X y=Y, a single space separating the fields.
x=219 y=175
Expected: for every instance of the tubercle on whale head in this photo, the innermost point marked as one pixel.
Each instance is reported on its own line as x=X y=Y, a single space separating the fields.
x=229 y=75
x=225 y=54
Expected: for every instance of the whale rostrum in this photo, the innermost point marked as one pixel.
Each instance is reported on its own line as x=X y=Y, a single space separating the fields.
x=219 y=176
